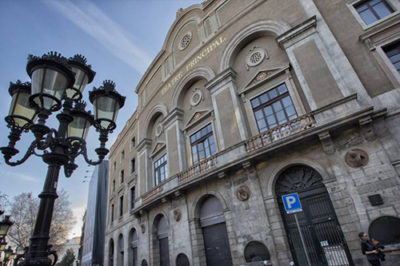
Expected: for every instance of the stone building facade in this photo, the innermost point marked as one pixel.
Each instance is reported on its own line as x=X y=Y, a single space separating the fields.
x=246 y=102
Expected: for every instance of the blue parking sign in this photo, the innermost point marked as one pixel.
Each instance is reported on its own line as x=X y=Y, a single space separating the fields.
x=292 y=203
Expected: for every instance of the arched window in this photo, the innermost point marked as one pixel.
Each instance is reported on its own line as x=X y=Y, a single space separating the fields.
x=133 y=244
x=256 y=251
x=212 y=222
x=160 y=246
x=144 y=262
x=321 y=231
x=182 y=260
x=111 y=253
x=385 y=229
x=120 y=254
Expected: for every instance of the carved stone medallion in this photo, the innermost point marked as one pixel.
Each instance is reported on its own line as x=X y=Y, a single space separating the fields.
x=177 y=215
x=255 y=57
x=185 y=41
x=159 y=129
x=196 y=98
x=356 y=158
x=243 y=193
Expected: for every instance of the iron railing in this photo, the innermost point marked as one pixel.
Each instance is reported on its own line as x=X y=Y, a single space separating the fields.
x=287 y=129
x=200 y=168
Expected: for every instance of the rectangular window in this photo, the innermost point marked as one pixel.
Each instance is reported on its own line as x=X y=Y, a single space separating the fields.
x=273 y=108
x=393 y=52
x=133 y=143
x=132 y=197
x=121 y=178
x=203 y=144
x=121 y=206
x=112 y=212
x=122 y=155
x=160 y=170
x=115 y=166
x=113 y=186
x=373 y=10
x=133 y=165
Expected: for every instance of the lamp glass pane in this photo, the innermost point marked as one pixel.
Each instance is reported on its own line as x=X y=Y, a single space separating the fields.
x=4 y=228
x=79 y=127
x=106 y=108
x=81 y=80
x=20 y=107
x=48 y=81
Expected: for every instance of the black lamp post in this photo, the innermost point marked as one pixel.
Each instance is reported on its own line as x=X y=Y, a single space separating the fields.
x=57 y=83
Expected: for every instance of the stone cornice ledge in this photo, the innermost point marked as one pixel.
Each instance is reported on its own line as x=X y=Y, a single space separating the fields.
x=259 y=154
x=334 y=104
x=384 y=25
x=297 y=30
x=228 y=73
x=142 y=144
x=176 y=113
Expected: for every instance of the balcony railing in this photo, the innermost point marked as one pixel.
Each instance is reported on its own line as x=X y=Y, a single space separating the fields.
x=200 y=168
x=152 y=193
x=287 y=129
x=264 y=139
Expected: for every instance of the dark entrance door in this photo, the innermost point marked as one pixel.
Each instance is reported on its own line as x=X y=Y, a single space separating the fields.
x=217 y=245
x=164 y=252
x=215 y=235
x=182 y=260
x=321 y=231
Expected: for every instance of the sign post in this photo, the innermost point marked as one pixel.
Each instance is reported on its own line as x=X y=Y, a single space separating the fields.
x=293 y=206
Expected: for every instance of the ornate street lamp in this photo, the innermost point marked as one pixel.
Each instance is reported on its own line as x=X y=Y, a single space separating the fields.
x=57 y=83
x=4 y=226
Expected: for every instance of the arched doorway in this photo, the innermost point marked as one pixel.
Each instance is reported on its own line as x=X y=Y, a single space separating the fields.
x=182 y=260
x=120 y=254
x=133 y=244
x=323 y=236
x=111 y=253
x=386 y=229
x=212 y=222
x=161 y=241
x=256 y=252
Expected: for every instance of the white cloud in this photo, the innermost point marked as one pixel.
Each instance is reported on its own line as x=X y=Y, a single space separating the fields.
x=78 y=213
x=92 y=20
x=20 y=176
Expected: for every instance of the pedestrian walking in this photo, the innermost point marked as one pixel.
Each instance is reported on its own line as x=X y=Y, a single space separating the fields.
x=368 y=249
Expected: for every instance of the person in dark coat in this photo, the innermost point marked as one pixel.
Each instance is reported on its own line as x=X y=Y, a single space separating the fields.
x=368 y=249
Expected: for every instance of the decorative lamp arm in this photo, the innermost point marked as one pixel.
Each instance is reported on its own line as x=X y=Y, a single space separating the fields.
x=102 y=151
x=8 y=153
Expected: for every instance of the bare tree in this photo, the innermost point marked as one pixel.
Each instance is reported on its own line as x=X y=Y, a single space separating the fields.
x=23 y=211
x=3 y=201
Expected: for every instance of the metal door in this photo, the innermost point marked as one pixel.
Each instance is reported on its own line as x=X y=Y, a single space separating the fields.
x=134 y=256
x=164 y=252
x=323 y=236
x=216 y=245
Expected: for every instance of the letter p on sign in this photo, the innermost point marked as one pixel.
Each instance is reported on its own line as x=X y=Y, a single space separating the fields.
x=292 y=203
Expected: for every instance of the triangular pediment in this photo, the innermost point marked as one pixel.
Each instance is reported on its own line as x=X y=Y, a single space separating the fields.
x=159 y=146
x=196 y=117
x=264 y=75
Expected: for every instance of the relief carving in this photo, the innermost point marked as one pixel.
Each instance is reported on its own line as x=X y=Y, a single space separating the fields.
x=356 y=158
x=243 y=193
x=143 y=227
x=177 y=215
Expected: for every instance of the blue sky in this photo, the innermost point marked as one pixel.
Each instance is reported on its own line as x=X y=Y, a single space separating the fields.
x=120 y=38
